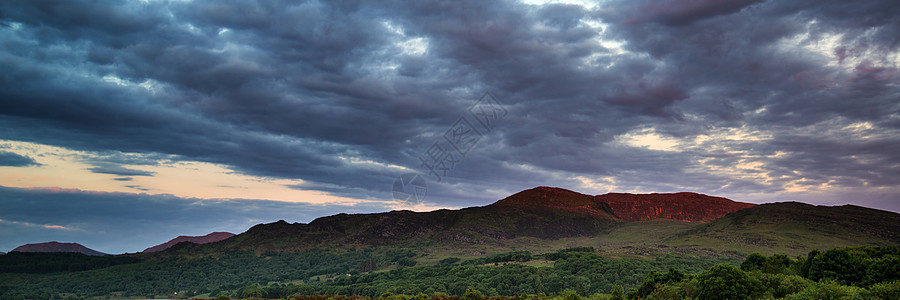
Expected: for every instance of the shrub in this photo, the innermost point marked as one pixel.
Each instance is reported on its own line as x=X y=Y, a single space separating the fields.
x=886 y=290
x=830 y=290
x=569 y=295
x=472 y=294
x=449 y=261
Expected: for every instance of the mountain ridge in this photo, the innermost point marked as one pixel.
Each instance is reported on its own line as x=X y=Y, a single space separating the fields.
x=690 y=222
x=539 y=222
x=541 y=212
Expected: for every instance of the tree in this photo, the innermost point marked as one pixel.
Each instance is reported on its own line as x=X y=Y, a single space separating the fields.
x=655 y=278
x=406 y=262
x=724 y=281
x=776 y=264
x=883 y=269
x=569 y=295
x=618 y=293
x=753 y=262
x=804 y=269
x=838 y=264
x=367 y=266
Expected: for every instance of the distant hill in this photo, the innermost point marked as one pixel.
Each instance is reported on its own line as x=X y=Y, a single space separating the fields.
x=205 y=239
x=58 y=247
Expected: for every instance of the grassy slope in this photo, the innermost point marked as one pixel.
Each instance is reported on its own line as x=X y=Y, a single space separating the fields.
x=794 y=229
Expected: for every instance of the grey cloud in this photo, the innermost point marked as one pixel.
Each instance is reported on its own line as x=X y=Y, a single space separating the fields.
x=9 y=159
x=300 y=90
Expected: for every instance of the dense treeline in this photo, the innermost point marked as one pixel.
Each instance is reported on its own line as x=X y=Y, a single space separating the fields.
x=581 y=272
x=851 y=273
x=857 y=272
x=341 y=272
x=166 y=275
x=31 y=262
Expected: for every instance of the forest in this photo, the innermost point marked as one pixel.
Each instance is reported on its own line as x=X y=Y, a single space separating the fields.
x=855 y=272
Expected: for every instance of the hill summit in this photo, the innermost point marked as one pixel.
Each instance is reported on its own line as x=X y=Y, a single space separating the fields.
x=58 y=247
x=204 y=239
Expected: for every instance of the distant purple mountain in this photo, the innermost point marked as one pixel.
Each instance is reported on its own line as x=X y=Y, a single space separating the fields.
x=58 y=247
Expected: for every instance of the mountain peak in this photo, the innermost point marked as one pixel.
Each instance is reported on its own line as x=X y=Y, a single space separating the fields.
x=55 y=246
x=545 y=197
x=205 y=239
x=542 y=192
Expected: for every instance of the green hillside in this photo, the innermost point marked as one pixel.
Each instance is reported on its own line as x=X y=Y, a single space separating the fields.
x=794 y=228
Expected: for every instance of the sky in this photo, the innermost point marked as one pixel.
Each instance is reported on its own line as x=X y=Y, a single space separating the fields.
x=124 y=124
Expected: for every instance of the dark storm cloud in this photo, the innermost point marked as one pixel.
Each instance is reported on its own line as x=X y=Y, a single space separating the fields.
x=9 y=159
x=684 y=12
x=123 y=222
x=331 y=92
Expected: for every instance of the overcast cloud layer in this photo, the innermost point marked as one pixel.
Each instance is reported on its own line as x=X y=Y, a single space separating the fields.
x=757 y=101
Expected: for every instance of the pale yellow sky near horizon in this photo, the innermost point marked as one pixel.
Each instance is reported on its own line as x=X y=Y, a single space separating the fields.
x=62 y=169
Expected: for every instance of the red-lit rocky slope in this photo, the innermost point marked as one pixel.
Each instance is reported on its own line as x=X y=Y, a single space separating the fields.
x=688 y=207
x=209 y=238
